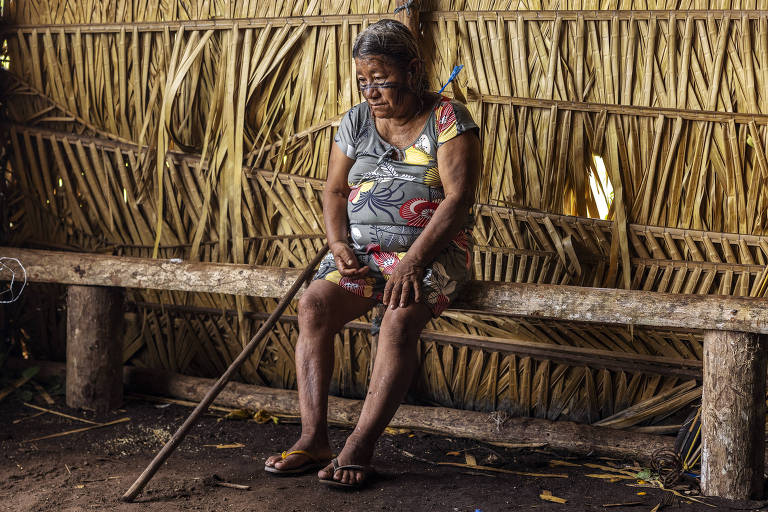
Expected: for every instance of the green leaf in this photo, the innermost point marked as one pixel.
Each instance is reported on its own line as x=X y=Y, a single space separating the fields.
x=645 y=474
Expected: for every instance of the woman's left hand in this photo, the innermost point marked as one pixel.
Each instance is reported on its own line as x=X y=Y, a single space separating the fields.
x=406 y=279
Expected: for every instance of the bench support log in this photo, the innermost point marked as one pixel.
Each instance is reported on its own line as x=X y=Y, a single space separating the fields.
x=94 y=348
x=733 y=415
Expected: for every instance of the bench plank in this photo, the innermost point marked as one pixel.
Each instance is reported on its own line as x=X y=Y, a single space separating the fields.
x=158 y=274
x=555 y=302
x=612 y=306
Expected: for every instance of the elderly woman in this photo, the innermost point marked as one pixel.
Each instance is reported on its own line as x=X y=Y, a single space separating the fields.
x=397 y=209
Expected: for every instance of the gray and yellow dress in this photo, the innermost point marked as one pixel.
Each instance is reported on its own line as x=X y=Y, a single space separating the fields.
x=394 y=193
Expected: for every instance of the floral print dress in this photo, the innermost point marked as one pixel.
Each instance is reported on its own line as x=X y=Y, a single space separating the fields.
x=394 y=193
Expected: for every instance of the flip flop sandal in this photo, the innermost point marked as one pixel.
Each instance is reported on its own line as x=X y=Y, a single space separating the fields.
x=311 y=465
x=368 y=472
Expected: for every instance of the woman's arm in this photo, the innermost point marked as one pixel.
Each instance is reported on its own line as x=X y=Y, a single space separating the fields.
x=335 y=196
x=459 y=161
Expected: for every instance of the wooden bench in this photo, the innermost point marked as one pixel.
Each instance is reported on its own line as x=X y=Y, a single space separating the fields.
x=734 y=365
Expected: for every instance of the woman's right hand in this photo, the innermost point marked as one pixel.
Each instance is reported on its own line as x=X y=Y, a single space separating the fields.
x=346 y=261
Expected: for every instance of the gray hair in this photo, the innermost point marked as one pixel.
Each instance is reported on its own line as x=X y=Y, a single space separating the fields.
x=394 y=41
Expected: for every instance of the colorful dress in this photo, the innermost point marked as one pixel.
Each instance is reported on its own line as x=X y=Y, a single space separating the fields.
x=394 y=193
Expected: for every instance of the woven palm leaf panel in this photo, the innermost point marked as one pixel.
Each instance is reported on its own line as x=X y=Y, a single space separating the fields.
x=452 y=375
x=155 y=135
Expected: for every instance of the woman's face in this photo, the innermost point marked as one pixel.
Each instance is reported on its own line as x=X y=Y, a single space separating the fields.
x=383 y=85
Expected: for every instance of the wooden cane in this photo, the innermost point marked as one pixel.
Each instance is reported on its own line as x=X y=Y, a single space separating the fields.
x=180 y=434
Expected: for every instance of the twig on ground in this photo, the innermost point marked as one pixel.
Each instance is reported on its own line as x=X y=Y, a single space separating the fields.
x=99 y=479
x=548 y=496
x=75 y=431
x=164 y=400
x=43 y=393
x=478 y=473
x=500 y=470
x=234 y=486
x=420 y=459
x=659 y=485
x=35 y=415
x=611 y=469
x=57 y=413
x=556 y=462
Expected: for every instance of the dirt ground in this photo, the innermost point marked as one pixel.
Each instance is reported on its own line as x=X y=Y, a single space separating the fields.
x=90 y=470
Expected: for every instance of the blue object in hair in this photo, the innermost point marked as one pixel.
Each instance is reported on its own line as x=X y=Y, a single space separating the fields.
x=455 y=72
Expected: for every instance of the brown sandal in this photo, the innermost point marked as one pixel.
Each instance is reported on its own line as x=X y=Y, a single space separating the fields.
x=368 y=473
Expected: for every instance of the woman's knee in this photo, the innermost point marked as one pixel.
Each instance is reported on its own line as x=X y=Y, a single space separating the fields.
x=313 y=310
x=402 y=326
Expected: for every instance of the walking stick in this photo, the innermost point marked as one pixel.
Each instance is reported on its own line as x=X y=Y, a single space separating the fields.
x=180 y=434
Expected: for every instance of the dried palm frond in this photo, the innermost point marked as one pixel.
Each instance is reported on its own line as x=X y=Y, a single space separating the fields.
x=201 y=130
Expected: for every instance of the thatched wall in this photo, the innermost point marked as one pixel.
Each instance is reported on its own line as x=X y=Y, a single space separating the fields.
x=241 y=106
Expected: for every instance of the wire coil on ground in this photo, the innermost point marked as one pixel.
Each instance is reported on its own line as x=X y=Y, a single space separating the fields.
x=14 y=295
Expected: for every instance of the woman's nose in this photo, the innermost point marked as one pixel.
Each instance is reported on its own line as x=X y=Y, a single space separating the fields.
x=371 y=92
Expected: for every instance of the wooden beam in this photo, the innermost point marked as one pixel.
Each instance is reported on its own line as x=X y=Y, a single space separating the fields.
x=555 y=302
x=612 y=306
x=575 y=356
x=733 y=415
x=459 y=423
x=572 y=437
x=94 y=353
x=565 y=435
x=103 y=270
x=357 y=19
x=628 y=110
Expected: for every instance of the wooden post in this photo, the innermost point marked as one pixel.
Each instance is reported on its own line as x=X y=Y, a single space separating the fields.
x=409 y=17
x=94 y=347
x=733 y=415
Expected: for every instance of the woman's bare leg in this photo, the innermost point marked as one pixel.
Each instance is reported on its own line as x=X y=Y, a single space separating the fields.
x=393 y=370
x=323 y=310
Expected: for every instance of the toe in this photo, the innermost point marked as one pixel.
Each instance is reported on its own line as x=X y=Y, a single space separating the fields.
x=359 y=476
x=326 y=473
x=291 y=461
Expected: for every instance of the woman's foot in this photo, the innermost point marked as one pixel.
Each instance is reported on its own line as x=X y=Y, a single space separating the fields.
x=355 y=453
x=316 y=453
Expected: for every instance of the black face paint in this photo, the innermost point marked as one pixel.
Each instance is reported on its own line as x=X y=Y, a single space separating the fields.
x=382 y=85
